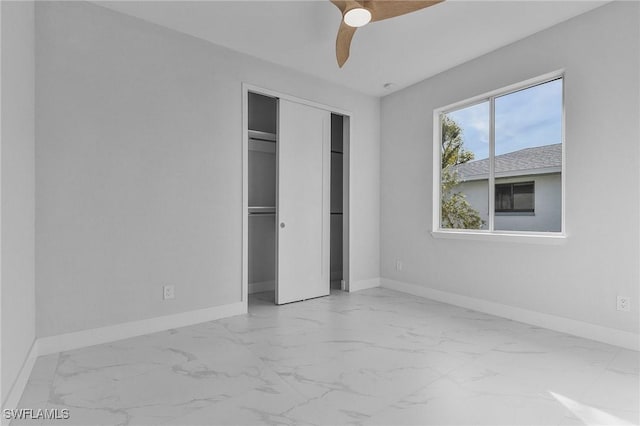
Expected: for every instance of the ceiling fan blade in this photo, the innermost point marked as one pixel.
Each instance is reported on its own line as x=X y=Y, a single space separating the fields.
x=343 y=43
x=385 y=9
x=345 y=5
x=340 y=4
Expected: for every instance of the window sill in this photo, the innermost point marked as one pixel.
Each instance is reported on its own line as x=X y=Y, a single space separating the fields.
x=555 y=238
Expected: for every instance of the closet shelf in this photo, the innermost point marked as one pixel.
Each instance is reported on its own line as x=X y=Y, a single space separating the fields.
x=262 y=136
x=262 y=210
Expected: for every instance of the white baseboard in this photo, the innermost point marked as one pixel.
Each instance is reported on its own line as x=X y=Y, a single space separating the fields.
x=96 y=336
x=590 y=331
x=363 y=284
x=14 y=395
x=257 y=287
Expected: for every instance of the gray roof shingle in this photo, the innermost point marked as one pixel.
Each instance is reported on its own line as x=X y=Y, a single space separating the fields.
x=540 y=159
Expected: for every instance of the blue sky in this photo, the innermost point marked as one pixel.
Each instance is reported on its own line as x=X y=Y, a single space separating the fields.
x=524 y=119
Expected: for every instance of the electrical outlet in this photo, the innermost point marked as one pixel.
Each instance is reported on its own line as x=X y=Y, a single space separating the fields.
x=169 y=292
x=398 y=265
x=623 y=303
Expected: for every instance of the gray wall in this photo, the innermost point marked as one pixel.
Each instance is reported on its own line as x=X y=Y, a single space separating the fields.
x=599 y=260
x=548 y=204
x=17 y=190
x=138 y=161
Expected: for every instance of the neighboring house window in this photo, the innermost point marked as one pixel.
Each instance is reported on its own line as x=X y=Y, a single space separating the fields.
x=499 y=161
x=515 y=197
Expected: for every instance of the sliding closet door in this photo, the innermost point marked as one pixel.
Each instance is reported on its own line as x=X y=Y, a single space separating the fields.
x=304 y=161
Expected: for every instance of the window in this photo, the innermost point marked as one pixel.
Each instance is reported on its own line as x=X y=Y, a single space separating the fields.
x=515 y=197
x=499 y=161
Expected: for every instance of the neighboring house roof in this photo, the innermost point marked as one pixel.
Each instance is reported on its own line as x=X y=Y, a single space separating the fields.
x=528 y=161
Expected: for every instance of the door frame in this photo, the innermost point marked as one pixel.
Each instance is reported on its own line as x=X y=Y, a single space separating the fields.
x=246 y=88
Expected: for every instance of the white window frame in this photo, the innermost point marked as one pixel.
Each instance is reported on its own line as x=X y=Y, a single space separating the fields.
x=491 y=234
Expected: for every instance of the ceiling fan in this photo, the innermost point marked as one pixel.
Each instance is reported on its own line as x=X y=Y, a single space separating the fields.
x=357 y=13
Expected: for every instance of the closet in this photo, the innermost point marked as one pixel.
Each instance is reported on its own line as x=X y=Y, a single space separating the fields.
x=294 y=198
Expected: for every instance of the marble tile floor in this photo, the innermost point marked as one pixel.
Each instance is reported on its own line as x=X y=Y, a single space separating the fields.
x=375 y=357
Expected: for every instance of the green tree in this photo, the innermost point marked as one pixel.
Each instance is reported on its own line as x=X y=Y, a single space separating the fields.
x=453 y=152
x=456 y=211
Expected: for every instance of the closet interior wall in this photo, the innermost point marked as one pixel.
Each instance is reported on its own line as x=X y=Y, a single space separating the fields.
x=337 y=211
x=262 y=122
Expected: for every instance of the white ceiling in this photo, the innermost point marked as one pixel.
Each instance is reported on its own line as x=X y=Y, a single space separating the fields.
x=403 y=50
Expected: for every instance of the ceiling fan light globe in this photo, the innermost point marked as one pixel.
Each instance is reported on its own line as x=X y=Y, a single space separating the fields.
x=357 y=17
